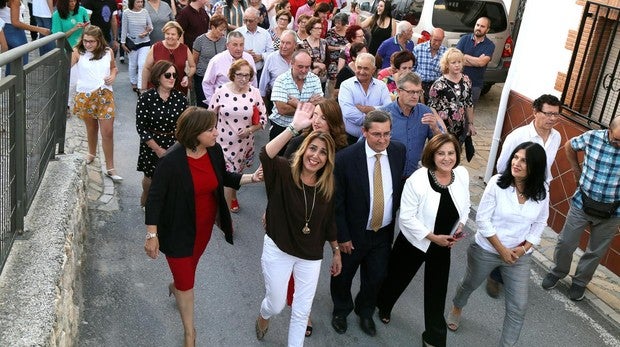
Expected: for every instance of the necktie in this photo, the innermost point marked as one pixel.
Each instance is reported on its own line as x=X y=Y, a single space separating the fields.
x=376 y=218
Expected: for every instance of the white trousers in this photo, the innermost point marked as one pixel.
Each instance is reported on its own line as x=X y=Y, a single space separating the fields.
x=277 y=268
x=136 y=64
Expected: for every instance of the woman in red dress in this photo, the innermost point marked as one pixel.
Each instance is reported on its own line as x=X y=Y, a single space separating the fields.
x=185 y=200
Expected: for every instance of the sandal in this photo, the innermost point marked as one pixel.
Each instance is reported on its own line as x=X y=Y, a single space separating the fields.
x=234 y=206
x=309 y=329
x=89 y=158
x=112 y=174
x=384 y=317
x=260 y=333
x=453 y=321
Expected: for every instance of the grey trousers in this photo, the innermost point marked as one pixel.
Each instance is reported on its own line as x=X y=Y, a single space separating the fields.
x=516 y=278
x=602 y=232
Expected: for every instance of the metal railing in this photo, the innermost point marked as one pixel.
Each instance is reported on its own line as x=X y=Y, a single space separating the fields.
x=591 y=92
x=33 y=106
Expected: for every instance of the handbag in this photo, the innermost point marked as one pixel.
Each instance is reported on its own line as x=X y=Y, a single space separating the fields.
x=130 y=44
x=603 y=210
x=469 y=148
x=255 y=115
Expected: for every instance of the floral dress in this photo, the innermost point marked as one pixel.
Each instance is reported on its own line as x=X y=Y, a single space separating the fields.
x=334 y=39
x=157 y=119
x=451 y=100
x=235 y=113
x=318 y=55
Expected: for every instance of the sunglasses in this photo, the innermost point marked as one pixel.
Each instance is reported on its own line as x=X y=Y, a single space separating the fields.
x=169 y=75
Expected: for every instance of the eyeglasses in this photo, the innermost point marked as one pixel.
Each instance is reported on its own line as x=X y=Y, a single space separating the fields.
x=242 y=75
x=89 y=41
x=249 y=20
x=550 y=114
x=381 y=135
x=317 y=28
x=412 y=92
x=169 y=75
x=362 y=35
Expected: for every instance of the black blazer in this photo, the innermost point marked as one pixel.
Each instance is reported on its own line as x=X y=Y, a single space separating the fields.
x=170 y=204
x=353 y=189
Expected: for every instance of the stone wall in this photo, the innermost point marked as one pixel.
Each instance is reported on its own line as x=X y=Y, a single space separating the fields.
x=39 y=288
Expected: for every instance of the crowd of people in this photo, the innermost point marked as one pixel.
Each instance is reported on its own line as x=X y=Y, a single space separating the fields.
x=366 y=130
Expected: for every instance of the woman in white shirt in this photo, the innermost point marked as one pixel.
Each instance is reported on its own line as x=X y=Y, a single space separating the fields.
x=511 y=216
x=433 y=210
x=136 y=28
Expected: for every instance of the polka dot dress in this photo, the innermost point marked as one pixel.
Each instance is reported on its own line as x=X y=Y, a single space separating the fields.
x=235 y=113
x=156 y=119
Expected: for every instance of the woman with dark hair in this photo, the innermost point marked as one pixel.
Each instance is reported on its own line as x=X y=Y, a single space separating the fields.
x=511 y=217
x=283 y=19
x=236 y=103
x=136 y=28
x=353 y=34
x=206 y=46
x=157 y=112
x=321 y=11
x=336 y=41
x=317 y=48
x=69 y=18
x=14 y=29
x=299 y=220
x=381 y=26
x=233 y=12
x=400 y=63
x=433 y=211
x=94 y=100
x=192 y=173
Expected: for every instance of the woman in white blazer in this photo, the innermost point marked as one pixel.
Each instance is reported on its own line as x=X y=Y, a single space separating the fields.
x=434 y=208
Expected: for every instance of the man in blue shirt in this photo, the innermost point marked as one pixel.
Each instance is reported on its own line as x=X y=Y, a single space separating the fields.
x=402 y=41
x=427 y=56
x=413 y=122
x=478 y=51
x=598 y=180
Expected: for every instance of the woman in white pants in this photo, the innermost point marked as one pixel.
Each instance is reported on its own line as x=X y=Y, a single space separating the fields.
x=136 y=27
x=299 y=219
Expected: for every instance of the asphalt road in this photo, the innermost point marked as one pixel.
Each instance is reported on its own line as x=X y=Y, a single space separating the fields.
x=125 y=300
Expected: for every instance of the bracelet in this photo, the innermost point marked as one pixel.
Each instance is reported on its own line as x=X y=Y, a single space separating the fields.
x=524 y=250
x=335 y=249
x=150 y=235
x=292 y=129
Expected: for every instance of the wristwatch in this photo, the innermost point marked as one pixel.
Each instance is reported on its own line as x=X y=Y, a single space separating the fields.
x=150 y=235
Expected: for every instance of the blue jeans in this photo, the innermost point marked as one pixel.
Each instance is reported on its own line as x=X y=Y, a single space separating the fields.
x=14 y=38
x=45 y=23
x=516 y=277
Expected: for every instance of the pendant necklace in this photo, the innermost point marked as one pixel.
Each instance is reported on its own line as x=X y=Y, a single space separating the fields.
x=306 y=230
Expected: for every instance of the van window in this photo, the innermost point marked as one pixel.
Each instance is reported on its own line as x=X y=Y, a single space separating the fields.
x=409 y=10
x=461 y=16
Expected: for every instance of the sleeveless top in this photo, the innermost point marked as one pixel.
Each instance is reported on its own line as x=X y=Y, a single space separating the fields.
x=178 y=56
x=377 y=36
x=90 y=73
x=5 y=14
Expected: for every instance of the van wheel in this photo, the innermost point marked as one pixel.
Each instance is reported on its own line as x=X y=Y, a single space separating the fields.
x=486 y=87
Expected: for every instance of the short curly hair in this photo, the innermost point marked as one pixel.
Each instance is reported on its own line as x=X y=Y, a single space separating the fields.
x=236 y=66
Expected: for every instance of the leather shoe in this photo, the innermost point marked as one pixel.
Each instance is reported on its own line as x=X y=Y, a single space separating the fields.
x=368 y=326
x=339 y=324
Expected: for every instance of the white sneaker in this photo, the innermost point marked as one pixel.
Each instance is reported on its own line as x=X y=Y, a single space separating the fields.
x=112 y=174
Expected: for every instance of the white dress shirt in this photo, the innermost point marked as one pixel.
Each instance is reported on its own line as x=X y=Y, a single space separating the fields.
x=501 y=214
x=258 y=41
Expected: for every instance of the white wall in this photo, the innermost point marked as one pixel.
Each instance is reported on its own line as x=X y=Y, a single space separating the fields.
x=540 y=52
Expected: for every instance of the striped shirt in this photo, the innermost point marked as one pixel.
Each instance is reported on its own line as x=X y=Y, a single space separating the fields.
x=134 y=24
x=285 y=86
x=600 y=176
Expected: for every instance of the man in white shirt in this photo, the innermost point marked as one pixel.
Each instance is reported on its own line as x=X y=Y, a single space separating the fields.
x=540 y=130
x=258 y=41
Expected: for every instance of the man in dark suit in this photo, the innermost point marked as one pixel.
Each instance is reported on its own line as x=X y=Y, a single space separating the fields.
x=368 y=188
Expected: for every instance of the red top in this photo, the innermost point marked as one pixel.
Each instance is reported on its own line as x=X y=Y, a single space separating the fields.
x=178 y=56
x=205 y=185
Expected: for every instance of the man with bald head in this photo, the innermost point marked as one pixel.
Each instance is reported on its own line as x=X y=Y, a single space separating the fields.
x=427 y=55
x=598 y=180
x=258 y=41
x=402 y=41
x=361 y=94
x=478 y=51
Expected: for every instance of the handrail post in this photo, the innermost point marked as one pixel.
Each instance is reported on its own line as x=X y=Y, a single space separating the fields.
x=17 y=68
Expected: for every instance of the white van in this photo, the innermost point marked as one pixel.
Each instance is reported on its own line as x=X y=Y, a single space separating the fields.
x=458 y=18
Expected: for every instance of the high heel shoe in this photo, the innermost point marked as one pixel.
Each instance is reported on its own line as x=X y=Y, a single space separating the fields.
x=89 y=158
x=112 y=174
x=171 y=289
